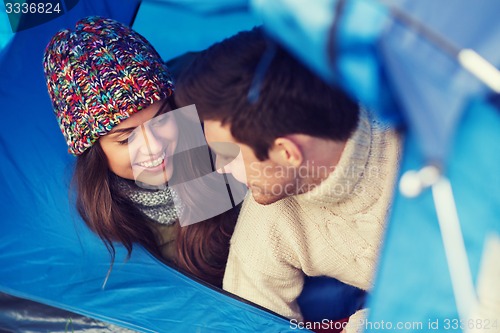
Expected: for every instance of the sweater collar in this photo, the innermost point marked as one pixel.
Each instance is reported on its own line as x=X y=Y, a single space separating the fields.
x=351 y=172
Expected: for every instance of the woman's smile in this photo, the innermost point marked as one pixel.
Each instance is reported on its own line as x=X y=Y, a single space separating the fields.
x=153 y=162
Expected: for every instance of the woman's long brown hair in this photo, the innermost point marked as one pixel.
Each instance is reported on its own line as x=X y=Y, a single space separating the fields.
x=202 y=248
x=105 y=210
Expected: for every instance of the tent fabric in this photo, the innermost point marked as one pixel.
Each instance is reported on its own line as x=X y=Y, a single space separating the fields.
x=413 y=283
x=174 y=27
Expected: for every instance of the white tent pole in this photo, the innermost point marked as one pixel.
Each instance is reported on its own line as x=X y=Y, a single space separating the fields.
x=456 y=253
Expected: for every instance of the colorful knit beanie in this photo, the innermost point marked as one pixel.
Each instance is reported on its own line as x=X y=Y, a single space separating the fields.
x=101 y=74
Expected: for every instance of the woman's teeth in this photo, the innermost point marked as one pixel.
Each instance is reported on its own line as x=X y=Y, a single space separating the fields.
x=153 y=163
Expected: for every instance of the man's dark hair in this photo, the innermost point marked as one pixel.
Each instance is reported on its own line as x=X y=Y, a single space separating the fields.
x=291 y=99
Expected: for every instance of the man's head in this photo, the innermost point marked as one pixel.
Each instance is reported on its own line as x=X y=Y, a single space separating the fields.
x=297 y=123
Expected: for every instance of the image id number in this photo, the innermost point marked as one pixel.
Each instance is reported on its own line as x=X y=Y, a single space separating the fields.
x=32 y=8
x=485 y=324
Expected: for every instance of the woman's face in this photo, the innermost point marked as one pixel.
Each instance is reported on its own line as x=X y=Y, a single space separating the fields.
x=141 y=147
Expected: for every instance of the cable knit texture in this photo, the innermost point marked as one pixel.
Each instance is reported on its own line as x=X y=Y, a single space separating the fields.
x=333 y=230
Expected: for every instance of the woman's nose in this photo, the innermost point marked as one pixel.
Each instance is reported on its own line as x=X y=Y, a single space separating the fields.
x=151 y=142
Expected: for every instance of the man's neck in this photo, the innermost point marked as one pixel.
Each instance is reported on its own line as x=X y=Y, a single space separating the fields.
x=321 y=159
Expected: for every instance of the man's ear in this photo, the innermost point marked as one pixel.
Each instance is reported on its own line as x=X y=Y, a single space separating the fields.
x=286 y=152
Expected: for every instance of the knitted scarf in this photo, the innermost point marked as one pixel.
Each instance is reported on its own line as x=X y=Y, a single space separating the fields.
x=158 y=205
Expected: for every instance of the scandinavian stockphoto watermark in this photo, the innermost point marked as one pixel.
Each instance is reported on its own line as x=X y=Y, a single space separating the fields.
x=170 y=150
x=327 y=324
x=280 y=181
x=437 y=324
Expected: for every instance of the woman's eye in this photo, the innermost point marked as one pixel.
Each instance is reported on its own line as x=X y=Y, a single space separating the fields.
x=129 y=139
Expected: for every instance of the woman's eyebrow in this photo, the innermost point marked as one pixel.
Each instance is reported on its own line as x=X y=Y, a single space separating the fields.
x=121 y=130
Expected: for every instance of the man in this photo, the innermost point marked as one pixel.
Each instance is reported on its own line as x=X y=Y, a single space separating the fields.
x=321 y=172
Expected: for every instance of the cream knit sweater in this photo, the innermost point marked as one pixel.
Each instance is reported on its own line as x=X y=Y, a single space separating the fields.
x=333 y=230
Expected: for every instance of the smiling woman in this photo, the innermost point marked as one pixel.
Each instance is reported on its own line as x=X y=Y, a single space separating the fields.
x=112 y=97
x=138 y=148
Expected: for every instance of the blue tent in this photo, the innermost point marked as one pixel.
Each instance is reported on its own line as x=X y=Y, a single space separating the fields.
x=402 y=59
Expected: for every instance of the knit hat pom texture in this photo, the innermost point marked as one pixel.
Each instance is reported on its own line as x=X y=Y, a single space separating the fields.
x=100 y=74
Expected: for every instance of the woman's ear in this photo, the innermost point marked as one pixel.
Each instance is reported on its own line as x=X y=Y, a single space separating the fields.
x=286 y=152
